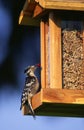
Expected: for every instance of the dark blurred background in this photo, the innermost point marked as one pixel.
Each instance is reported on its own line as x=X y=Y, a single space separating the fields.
x=20 y=47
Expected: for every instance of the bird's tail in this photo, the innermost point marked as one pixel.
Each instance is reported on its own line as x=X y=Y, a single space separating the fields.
x=31 y=111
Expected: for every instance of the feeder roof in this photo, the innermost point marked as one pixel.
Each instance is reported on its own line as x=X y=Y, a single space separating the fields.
x=62 y=4
x=34 y=8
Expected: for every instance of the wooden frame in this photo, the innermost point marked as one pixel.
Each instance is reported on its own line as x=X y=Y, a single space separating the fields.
x=51 y=53
x=53 y=99
x=57 y=102
x=51 y=74
x=55 y=51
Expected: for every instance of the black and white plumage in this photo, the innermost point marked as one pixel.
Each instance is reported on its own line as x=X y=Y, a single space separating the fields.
x=30 y=89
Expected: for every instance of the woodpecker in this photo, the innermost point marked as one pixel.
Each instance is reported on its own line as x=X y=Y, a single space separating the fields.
x=31 y=87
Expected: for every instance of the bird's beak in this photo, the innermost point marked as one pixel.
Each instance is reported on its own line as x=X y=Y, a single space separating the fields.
x=38 y=66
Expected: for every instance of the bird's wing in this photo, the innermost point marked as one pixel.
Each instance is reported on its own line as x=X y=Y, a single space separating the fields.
x=27 y=93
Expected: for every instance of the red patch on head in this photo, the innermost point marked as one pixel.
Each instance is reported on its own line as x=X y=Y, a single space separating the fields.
x=38 y=65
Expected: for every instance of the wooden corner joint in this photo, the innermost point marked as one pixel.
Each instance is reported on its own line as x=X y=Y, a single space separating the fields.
x=37 y=10
x=52 y=95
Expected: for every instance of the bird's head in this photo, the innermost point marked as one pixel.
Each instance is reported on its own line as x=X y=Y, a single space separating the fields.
x=31 y=69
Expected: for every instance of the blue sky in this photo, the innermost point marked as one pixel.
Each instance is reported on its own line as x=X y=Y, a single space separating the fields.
x=11 y=117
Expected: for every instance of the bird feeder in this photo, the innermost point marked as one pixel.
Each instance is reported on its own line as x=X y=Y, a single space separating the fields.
x=61 y=25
